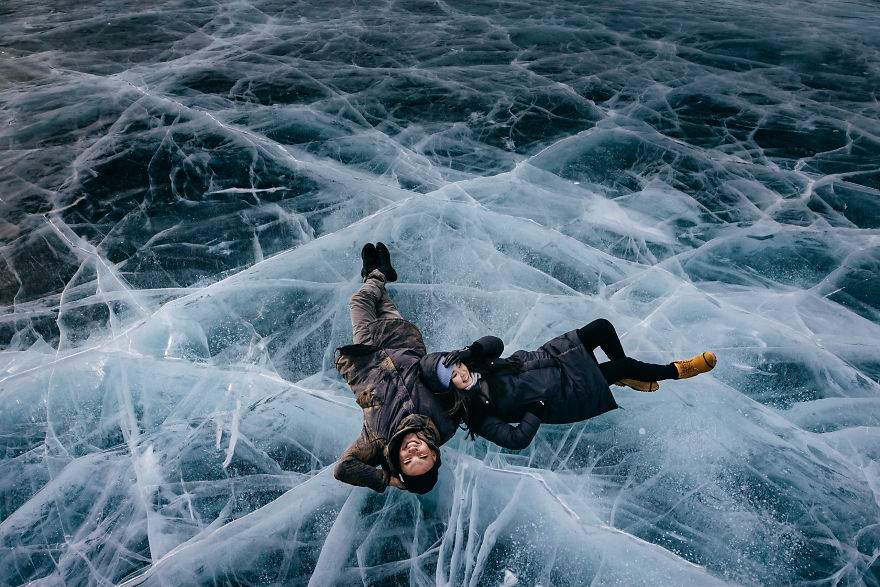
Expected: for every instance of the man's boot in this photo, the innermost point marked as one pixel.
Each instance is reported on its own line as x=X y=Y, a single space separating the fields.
x=385 y=262
x=370 y=258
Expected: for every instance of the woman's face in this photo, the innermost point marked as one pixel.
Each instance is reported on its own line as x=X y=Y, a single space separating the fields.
x=415 y=456
x=461 y=376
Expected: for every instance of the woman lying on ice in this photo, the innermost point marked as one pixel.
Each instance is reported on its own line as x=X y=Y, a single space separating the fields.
x=560 y=383
x=404 y=423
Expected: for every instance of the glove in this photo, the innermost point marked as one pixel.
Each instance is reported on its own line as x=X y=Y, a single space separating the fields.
x=472 y=353
x=537 y=408
x=459 y=356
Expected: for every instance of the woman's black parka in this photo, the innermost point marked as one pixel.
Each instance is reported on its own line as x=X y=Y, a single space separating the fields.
x=560 y=373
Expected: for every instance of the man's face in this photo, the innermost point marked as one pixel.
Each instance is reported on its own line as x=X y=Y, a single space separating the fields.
x=461 y=376
x=415 y=456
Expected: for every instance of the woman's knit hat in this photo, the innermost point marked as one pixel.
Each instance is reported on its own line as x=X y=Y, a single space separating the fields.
x=444 y=374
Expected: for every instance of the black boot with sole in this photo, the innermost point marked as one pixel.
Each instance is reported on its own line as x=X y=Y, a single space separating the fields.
x=385 y=262
x=370 y=258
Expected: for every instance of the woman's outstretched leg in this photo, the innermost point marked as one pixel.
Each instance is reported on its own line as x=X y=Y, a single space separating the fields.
x=644 y=376
x=623 y=370
x=629 y=368
x=601 y=333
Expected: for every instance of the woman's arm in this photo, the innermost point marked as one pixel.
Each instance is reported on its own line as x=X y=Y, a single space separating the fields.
x=487 y=348
x=481 y=351
x=358 y=465
x=507 y=435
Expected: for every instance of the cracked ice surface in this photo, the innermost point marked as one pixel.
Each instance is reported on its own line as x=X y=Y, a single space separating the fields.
x=185 y=187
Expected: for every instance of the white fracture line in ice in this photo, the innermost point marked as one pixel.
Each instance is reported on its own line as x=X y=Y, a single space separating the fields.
x=543 y=482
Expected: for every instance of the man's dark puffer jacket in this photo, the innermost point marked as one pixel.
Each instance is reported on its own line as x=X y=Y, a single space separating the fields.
x=385 y=381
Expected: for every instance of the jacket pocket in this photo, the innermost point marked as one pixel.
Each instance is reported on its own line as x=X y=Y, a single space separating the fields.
x=383 y=377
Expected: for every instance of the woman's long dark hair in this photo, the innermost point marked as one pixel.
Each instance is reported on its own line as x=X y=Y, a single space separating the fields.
x=460 y=406
x=465 y=406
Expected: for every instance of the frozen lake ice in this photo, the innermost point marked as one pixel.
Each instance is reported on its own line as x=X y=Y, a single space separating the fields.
x=184 y=190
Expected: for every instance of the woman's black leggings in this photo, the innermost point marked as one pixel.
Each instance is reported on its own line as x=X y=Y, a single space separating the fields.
x=600 y=333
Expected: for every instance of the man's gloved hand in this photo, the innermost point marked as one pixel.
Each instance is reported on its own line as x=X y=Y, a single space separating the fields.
x=537 y=408
x=460 y=356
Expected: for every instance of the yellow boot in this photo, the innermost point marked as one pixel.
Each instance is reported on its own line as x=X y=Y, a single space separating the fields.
x=639 y=385
x=695 y=365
